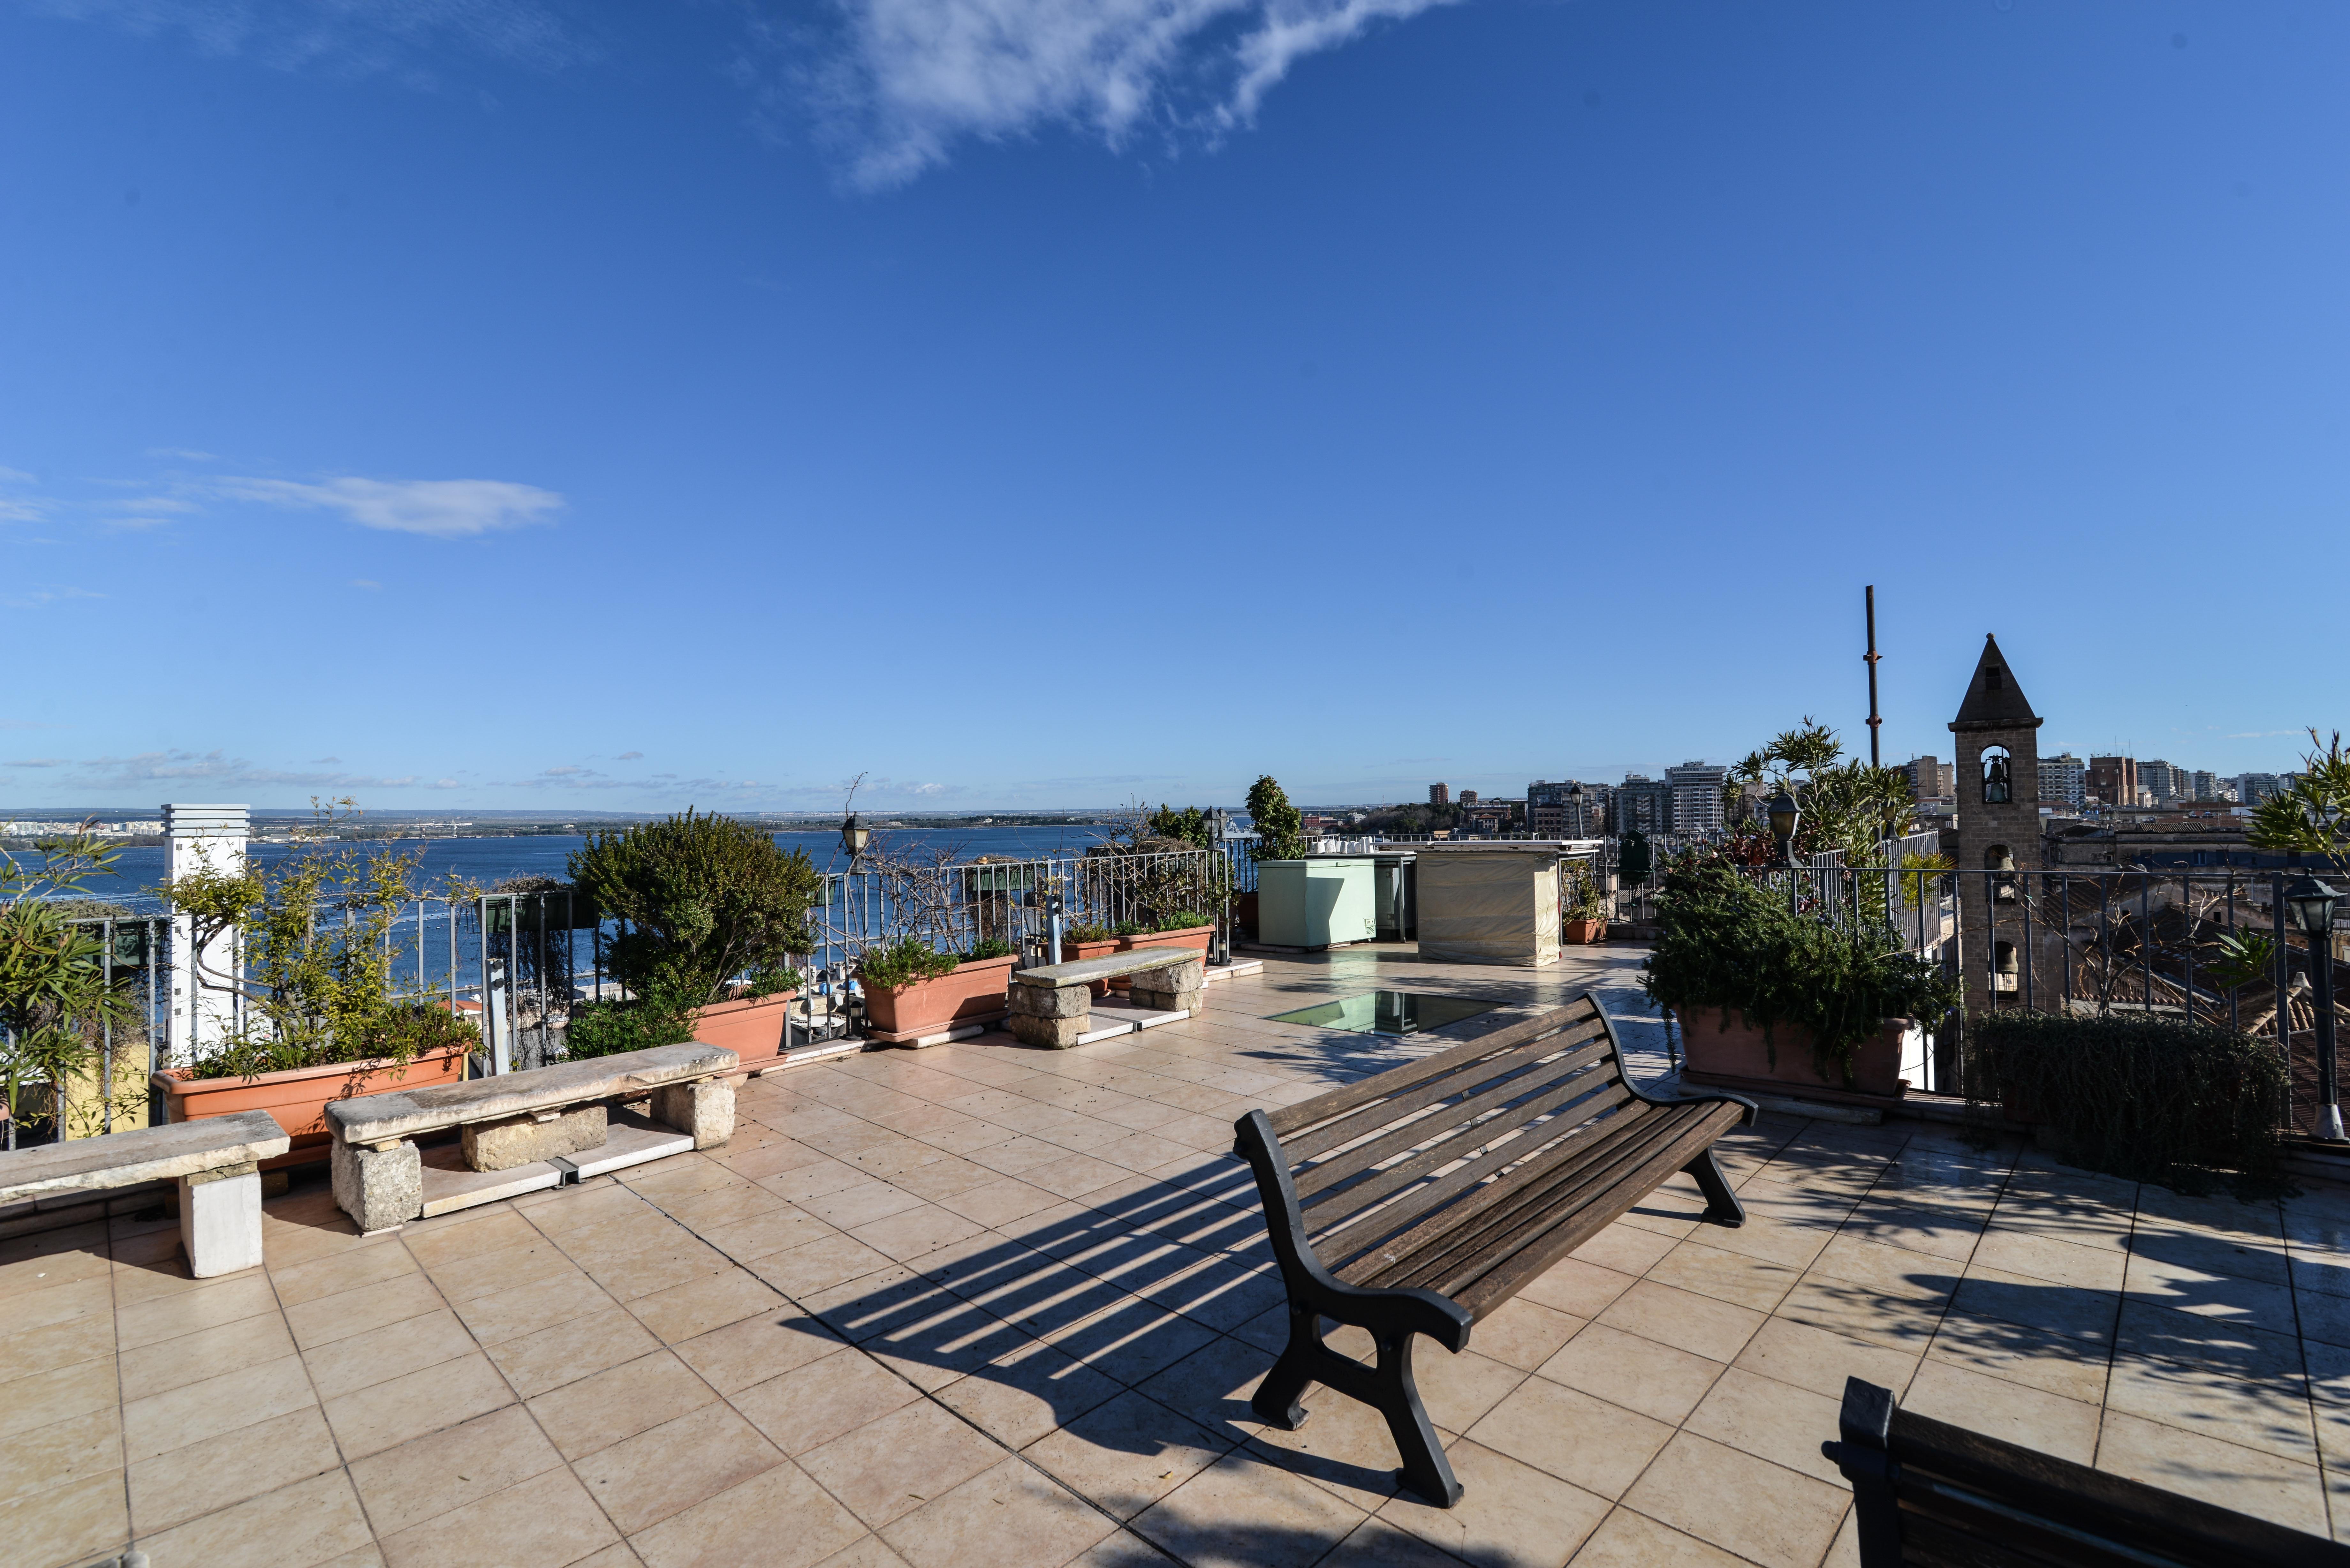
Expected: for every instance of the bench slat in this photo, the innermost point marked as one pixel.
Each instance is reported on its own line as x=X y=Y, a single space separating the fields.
x=1539 y=1250
x=1566 y=1108
x=1394 y=1080
x=140 y=1154
x=1467 y=1075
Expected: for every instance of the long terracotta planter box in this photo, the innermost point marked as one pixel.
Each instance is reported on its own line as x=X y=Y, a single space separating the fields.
x=1719 y=1047
x=973 y=993
x=1574 y=931
x=1196 y=938
x=753 y=1030
x=1071 y=952
x=297 y=1098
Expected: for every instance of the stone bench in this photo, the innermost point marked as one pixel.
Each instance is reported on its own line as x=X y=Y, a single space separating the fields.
x=523 y=1131
x=1053 y=1006
x=216 y=1162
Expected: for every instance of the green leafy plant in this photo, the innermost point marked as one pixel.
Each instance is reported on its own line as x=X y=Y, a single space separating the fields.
x=1190 y=825
x=2244 y=957
x=1919 y=878
x=2313 y=816
x=713 y=908
x=1085 y=931
x=902 y=963
x=1725 y=942
x=1132 y=928
x=990 y=948
x=318 y=985
x=2143 y=1097
x=1589 y=902
x=55 y=996
x=1280 y=826
x=1182 y=920
x=609 y=1028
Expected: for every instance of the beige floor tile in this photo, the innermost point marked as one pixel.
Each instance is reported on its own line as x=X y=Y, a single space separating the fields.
x=1344 y=1447
x=2324 y=1317
x=1638 y=1374
x=1994 y=1295
x=755 y=1349
x=2051 y=1363
x=45 y=1346
x=738 y=1527
x=537 y=1364
x=339 y=1271
x=820 y=1266
x=1523 y=1333
x=194 y=1411
x=1578 y=1288
x=1748 y=1506
x=675 y=1259
x=1456 y=1390
x=1771 y=1420
x=714 y=1301
x=1714 y=1329
x=219 y=1471
x=43 y=1399
x=1127 y=1453
x=84 y=1298
x=1599 y=1447
x=1629 y=1540
x=1019 y=1398
x=1510 y=1515
x=2246 y=1480
x=75 y=1521
x=311 y=1521
x=1005 y=1517
x=890 y=1466
x=643 y=1479
x=545 y=1521
x=428 y=1339
x=707 y=1210
x=469 y=1233
x=812 y=1405
x=1625 y=1249
x=1935 y=1232
x=505 y=1269
x=430 y=1476
x=2041 y=1257
x=862 y=1204
x=2030 y=1418
x=773 y=1231
x=2155 y=1282
x=1819 y=1360
x=1376 y=1543
x=508 y=1314
x=999 y=1201
x=363 y=1310
x=385 y=1415
x=1862 y=1312
x=61 y=1453
x=913 y=1233
x=2272 y=1414
x=1894 y=1271
x=597 y=1411
x=2243 y=1256
x=1244 y=1512
x=1733 y=1277
x=210 y=1305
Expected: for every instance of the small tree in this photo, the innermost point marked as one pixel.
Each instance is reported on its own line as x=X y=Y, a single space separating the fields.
x=53 y=995
x=1280 y=826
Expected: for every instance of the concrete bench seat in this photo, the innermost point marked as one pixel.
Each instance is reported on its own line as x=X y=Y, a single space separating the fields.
x=1053 y=1006
x=523 y=1131
x=216 y=1162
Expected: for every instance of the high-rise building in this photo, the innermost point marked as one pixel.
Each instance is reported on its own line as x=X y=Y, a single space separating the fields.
x=1930 y=779
x=2161 y=780
x=1696 y=789
x=2202 y=785
x=2113 y=780
x=2253 y=788
x=1558 y=808
x=1468 y=798
x=1438 y=794
x=2063 y=777
x=1640 y=804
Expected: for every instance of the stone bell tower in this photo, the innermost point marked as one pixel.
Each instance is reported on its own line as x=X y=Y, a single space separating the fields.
x=1998 y=774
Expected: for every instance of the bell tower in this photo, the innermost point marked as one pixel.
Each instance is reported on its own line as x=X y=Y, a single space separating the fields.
x=1998 y=776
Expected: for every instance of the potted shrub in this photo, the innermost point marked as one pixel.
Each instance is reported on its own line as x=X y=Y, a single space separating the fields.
x=1089 y=940
x=711 y=911
x=2145 y=1098
x=1586 y=917
x=321 y=1015
x=912 y=989
x=1768 y=996
x=1181 y=928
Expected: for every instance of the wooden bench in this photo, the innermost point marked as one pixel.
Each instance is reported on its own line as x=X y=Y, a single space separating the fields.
x=1418 y=1200
x=216 y=1161
x=523 y=1131
x=1925 y=1493
x=1053 y=1005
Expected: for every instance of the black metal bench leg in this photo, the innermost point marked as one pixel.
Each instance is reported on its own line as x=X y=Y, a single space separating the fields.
x=1276 y=1401
x=1721 y=1205
x=1425 y=1471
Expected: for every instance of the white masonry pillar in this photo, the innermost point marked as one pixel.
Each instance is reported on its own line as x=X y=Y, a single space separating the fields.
x=196 y=836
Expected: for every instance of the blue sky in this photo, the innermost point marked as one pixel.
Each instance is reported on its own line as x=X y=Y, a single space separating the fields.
x=512 y=405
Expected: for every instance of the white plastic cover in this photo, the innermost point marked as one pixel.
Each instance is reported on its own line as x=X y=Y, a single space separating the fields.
x=1488 y=907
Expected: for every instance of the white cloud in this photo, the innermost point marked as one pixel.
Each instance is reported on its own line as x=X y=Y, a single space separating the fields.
x=217 y=769
x=630 y=756
x=439 y=508
x=909 y=79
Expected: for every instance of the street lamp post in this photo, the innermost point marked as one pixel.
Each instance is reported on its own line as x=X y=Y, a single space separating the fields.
x=2312 y=902
x=1785 y=814
x=1574 y=799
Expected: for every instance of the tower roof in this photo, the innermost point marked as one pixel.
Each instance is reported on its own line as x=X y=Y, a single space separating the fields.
x=1994 y=701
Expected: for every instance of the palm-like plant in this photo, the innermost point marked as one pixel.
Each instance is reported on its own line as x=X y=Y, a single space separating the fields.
x=55 y=995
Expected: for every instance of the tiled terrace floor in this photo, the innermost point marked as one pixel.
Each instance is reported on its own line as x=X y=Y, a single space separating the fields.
x=986 y=1306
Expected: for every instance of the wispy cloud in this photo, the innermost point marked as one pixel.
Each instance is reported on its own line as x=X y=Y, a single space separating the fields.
x=218 y=769
x=629 y=757
x=904 y=80
x=347 y=38
x=34 y=762
x=438 y=508
x=34 y=598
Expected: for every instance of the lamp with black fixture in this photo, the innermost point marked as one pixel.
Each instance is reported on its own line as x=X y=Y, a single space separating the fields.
x=1785 y=814
x=2311 y=903
x=1574 y=799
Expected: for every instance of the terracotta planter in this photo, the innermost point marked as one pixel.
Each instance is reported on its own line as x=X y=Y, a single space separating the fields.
x=1574 y=931
x=1195 y=938
x=753 y=1030
x=298 y=1098
x=974 y=992
x=1718 y=1046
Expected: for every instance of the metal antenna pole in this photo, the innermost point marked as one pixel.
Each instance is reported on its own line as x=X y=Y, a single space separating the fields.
x=1869 y=659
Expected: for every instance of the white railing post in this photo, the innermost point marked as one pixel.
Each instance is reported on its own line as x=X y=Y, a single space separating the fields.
x=195 y=837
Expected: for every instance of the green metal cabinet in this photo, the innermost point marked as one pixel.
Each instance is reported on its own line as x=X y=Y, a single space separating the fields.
x=1315 y=903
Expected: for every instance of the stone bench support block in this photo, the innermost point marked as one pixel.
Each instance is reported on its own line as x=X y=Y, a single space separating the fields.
x=1051 y=1033
x=379 y=1188
x=705 y=1109
x=219 y=1220
x=1159 y=1001
x=1048 y=1002
x=527 y=1139
x=1052 y=1007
